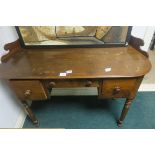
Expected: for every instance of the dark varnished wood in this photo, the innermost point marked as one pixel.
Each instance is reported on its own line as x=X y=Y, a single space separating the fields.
x=120 y=87
x=84 y=63
x=13 y=48
x=34 y=72
x=137 y=43
x=30 y=113
x=124 y=111
x=72 y=83
x=29 y=89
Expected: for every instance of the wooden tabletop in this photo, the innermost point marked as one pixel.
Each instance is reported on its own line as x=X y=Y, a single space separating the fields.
x=84 y=63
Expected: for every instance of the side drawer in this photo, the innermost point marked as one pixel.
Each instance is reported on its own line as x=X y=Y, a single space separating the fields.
x=29 y=89
x=120 y=88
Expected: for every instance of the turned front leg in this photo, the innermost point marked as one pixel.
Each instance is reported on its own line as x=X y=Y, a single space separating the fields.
x=124 y=111
x=30 y=113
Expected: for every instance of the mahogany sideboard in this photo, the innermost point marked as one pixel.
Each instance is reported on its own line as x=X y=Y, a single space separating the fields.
x=117 y=72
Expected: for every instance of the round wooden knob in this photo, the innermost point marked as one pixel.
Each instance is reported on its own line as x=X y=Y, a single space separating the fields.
x=52 y=84
x=88 y=83
x=117 y=90
x=27 y=93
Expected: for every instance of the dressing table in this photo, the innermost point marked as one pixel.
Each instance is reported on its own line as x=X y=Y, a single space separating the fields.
x=117 y=72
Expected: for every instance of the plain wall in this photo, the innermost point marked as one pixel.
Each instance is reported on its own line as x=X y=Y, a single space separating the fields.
x=145 y=33
x=9 y=104
x=7 y=34
x=10 y=107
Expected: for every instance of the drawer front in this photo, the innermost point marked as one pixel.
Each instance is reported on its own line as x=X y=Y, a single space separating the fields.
x=120 y=88
x=29 y=90
x=71 y=83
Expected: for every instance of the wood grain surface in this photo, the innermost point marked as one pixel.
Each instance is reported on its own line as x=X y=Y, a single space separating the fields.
x=29 y=89
x=84 y=63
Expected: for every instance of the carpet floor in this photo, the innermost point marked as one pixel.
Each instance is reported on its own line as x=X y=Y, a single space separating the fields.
x=93 y=113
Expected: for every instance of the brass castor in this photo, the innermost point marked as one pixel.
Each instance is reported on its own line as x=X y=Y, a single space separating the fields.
x=36 y=123
x=119 y=123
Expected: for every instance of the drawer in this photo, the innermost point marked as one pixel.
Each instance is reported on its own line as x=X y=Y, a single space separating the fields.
x=119 y=88
x=29 y=89
x=71 y=83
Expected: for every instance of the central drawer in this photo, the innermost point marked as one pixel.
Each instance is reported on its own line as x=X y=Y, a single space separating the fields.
x=72 y=83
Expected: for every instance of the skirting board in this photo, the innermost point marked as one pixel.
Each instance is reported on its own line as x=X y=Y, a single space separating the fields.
x=21 y=119
x=76 y=92
x=147 y=87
